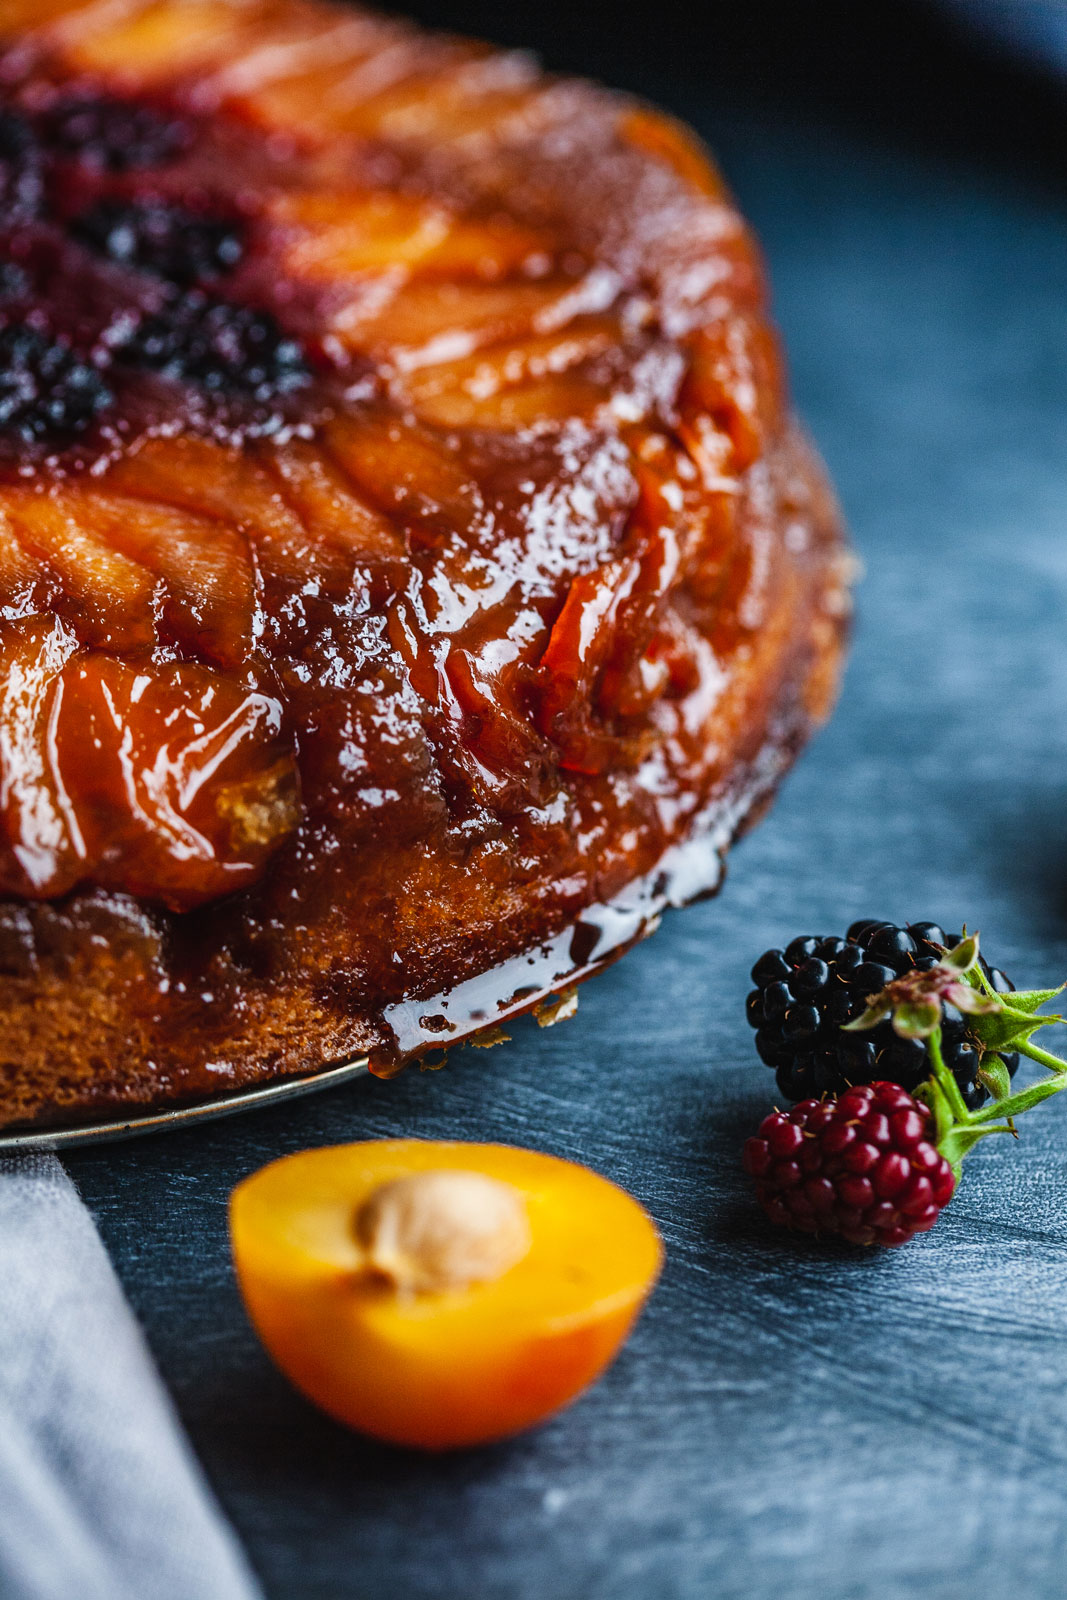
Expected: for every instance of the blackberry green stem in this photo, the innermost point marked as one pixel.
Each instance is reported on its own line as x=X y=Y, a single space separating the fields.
x=958 y=1129
x=1017 y=1103
x=915 y=1001
x=945 y=1079
x=1045 y=1057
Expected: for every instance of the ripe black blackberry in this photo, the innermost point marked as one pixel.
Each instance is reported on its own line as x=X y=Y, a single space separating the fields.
x=48 y=393
x=114 y=135
x=223 y=349
x=157 y=236
x=805 y=993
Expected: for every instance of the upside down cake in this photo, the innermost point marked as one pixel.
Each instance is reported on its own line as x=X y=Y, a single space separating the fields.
x=410 y=574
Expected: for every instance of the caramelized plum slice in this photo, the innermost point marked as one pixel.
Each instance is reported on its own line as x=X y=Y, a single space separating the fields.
x=172 y=783
x=42 y=851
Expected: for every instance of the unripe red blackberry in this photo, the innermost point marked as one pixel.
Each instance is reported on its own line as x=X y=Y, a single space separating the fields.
x=806 y=992
x=862 y=1165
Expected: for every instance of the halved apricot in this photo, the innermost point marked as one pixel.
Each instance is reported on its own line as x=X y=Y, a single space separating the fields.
x=437 y=1294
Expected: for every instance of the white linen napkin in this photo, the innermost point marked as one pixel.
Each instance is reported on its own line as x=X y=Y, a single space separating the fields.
x=100 y=1495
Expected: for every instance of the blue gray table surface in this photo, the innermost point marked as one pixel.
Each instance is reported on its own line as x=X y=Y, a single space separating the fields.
x=788 y=1417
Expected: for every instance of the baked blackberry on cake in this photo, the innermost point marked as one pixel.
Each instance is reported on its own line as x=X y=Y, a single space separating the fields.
x=410 y=574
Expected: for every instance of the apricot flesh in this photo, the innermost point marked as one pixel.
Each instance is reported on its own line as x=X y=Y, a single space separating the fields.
x=446 y=1368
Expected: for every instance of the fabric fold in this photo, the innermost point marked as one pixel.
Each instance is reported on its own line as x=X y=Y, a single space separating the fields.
x=101 y=1497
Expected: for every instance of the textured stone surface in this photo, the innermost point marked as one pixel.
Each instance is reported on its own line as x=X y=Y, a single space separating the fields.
x=788 y=1417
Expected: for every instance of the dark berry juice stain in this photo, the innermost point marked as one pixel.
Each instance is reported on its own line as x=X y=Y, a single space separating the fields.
x=47 y=391
x=162 y=238
x=121 y=304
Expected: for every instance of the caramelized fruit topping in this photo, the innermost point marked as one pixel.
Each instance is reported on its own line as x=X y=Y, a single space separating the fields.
x=221 y=348
x=84 y=194
x=14 y=284
x=21 y=185
x=403 y=495
x=175 y=783
x=46 y=390
x=113 y=135
x=162 y=238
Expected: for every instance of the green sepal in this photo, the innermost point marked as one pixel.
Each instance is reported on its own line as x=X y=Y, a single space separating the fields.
x=966 y=997
x=870 y=1019
x=953 y=1137
x=994 y=1076
x=1030 y=1000
x=916 y=1020
x=963 y=956
x=955 y=1144
x=1022 y=1100
x=1004 y=1031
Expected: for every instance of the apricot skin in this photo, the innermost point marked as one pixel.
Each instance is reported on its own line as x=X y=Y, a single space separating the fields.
x=439 y=1370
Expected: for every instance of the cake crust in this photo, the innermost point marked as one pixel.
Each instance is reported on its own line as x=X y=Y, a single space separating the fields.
x=411 y=575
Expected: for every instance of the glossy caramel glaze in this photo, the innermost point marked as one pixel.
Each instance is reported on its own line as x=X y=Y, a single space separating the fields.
x=404 y=542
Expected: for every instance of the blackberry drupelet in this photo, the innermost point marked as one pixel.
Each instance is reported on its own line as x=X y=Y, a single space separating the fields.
x=167 y=240
x=805 y=993
x=114 y=135
x=47 y=391
x=221 y=348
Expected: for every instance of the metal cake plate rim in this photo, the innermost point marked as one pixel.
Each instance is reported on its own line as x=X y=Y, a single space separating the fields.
x=686 y=871
x=29 y=1140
